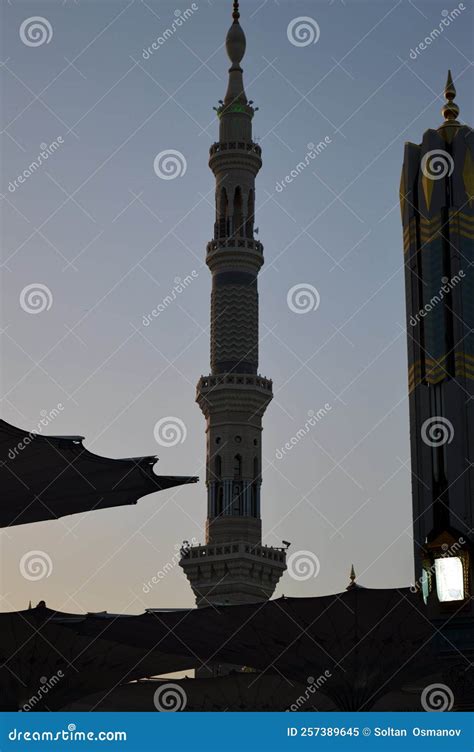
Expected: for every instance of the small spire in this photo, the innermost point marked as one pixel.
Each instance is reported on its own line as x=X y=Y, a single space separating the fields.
x=235 y=11
x=450 y=110
x=352 y=575
x=352 y=578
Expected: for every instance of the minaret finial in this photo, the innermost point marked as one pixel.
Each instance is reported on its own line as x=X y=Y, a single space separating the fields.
x=352 y=584
x=450 y=110
x=235 y=46
x=235 y=12
x=352 y=576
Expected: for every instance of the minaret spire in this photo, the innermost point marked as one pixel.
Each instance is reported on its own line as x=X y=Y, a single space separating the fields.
x=450 y=110
x=235 y=45
x=235 y=12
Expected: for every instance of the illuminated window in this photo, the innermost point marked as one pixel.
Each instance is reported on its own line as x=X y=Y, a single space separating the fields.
x=425 y=584
x=449 y=579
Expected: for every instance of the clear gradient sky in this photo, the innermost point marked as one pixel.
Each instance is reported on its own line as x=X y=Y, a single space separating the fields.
x=108 y=237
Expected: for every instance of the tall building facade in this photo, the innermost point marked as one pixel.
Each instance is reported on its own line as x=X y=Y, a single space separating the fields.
x=437 y=205
x=233 y=566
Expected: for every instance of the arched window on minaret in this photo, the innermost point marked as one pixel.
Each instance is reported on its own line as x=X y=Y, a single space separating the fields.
x=237 y=500
x=237 y=466
x=238 y=214
x=223 y=215
x=255 y=488
x=250 y=215
x=219 y=489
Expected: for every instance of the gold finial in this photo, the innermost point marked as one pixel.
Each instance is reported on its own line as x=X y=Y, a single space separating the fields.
x=352 y=578
x=450 y=110
x=352 y=575
x=235 y=12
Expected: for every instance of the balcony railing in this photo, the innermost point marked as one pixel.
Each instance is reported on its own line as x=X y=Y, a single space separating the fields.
x=263 y=552
x=249 y=146
x=209 y=382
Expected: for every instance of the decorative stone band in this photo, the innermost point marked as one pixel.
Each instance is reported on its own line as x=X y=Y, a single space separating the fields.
x=227 y=161
x=235 y=393
x=435 y=371
x=459 y=223
x=235 y=254
x=234 y=322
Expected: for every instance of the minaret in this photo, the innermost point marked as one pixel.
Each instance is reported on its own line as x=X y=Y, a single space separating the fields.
x=234 y=566
x=437 y=204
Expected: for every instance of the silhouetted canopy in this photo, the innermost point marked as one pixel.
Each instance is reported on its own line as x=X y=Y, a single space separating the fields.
x=368 y=641
x=47 y=477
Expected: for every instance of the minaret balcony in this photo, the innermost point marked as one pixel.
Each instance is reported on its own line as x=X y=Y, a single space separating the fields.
x=246 y=146
x=248 y=394
x=236 y=242
x=235 y=253
x=246 y=549
x=234 y=572
x=235 y=155
x=235 y=380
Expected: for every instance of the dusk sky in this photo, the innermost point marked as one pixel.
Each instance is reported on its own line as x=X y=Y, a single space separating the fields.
x=107 y=240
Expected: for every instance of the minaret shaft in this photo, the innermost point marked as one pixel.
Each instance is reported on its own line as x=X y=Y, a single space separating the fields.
x=233 y=566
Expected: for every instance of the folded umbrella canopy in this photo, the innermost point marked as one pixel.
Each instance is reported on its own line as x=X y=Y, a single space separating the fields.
x=47 y=477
